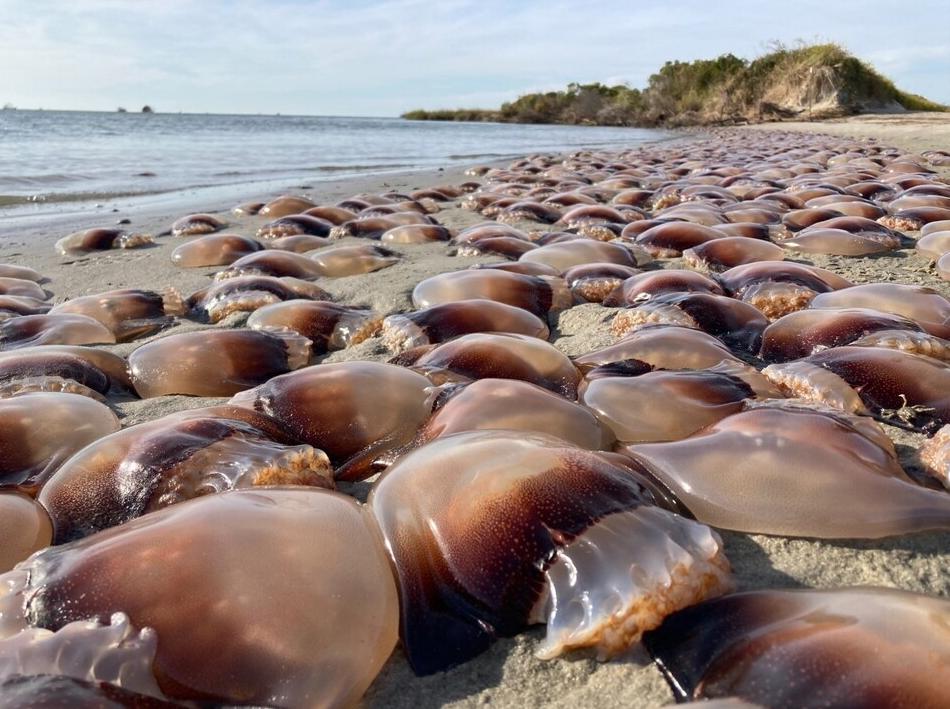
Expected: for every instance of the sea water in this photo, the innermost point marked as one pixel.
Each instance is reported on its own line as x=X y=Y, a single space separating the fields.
x=49 y=157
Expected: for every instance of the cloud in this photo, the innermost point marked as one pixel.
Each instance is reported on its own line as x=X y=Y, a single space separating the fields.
x=347 y=56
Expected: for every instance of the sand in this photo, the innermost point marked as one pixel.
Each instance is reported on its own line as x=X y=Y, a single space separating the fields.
x=508 y=675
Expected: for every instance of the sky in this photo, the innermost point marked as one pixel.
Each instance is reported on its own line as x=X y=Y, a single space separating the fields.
x=385 y=57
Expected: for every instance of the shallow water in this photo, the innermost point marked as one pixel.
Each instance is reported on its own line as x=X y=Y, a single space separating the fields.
x=62 y=156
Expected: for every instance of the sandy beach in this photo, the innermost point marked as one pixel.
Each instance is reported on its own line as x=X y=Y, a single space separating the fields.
x=508 y=675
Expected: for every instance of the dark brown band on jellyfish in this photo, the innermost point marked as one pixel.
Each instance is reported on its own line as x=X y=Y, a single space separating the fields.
x=171 y=459
x=850 y=647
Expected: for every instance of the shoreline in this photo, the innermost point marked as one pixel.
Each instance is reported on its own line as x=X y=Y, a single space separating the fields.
x=507 y=675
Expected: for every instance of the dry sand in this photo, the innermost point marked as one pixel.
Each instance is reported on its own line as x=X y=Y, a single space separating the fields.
x=508 y=675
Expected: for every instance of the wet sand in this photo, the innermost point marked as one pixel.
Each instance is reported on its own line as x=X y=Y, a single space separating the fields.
x=507 y=675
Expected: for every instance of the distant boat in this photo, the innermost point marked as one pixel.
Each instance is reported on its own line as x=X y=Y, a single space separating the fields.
x=121 y=110
x=147 y=109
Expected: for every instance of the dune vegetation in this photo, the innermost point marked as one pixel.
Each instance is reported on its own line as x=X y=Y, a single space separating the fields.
x=804 y=82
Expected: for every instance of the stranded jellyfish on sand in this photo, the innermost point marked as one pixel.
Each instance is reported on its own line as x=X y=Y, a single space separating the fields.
x=596 y=559
x=104 y=602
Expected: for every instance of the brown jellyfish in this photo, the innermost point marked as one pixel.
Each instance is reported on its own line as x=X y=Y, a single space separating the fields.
x=898 y=387
x=812 y=383
x=487 y=230
x=481 y=201
x=663 y=347
x=293 y=225
x=247 y=209
x=574 y=253
x=62 y=329
x=856 y=208
x=214 y=250
x=694 y=213
x=558 y=237
x=506 y=246
x=375 y=227
x=536 y=294
x=174 y=458
x=446 y=321
x=922 y=343
x=779 y=287
x=837 y=242
x=796 y=470
x=285 y=205
x=334 y=215
x=197 y=225
x=934 y=245
x=599 y=214
x=850 y=648
x=215 y=362
x=354 y=411
x=327 y=325
x=415 y=234
x=748 y=216
x=739 y=325
x=84 y=242
x=341 y=261
x=38 y=369
x=515 y=405
x=42 y=430
x=805 y=332
x=671 y=239
x=12 y=306
x=798 y=219
x=22 y=288
x=633 y=229
x=501 y=355
x=649 y=284
x=594 y=559
x=671 y=405
x=104 y=602
x=529 y=211
x=248 y=293
x=24 y=527
x=128 y=313
x=407 y=211
x=633 y=197
x=750 y=230
x=865 y=227
x=113 y=365
x=919 y=303
x=722 y=254
x=913 y=218
x=274 y=263
x=931 y=227
x=595 y=281
x=9 y=270
x=298 y=243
